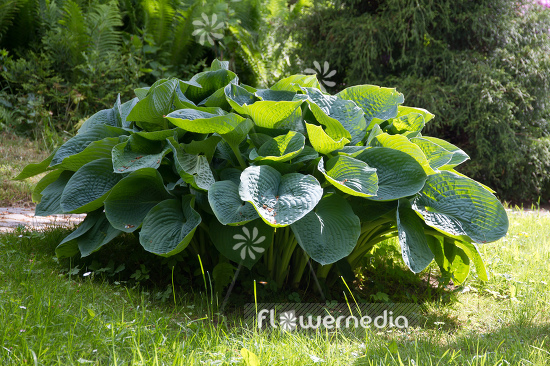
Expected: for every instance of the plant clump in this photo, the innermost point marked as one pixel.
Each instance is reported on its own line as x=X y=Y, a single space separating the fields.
x=280 y=175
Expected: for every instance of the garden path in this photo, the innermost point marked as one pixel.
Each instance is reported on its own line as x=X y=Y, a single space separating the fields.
x=13 y=217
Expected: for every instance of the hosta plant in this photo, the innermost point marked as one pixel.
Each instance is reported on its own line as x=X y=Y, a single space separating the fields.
x=277 y=176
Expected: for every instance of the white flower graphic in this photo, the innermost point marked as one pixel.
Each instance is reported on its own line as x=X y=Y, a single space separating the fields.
x=208 y=30
x=249 y=243
x=323 y=72
x=287 y=320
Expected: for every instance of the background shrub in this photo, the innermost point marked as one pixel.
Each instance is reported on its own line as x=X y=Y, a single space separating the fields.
x=483 y=68
x=62 y=60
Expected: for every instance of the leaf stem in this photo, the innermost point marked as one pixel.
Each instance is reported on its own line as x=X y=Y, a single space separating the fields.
x=300 y=268
x=322 y=271
x=238 y=155
x=282 y=265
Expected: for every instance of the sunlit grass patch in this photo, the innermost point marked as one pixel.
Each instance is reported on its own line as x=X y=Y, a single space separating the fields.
x=16 y=153
x=56 y=314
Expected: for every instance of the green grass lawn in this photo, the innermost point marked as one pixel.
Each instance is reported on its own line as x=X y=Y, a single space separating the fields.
x=52 y=313
x=16 y=153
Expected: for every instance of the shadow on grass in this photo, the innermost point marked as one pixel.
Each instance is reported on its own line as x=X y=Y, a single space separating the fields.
x=382 y=278
x=518 y=343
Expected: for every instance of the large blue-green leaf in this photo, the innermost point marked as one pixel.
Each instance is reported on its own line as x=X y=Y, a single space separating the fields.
x=350 y=175
x=333 y=127
x=275 y=95
x=227 y=205
x=399 y=174
x=403 y=111
x=206 y=147
x=203 y=122
x=50 y=203
x=307 y=154
x=375 y=101
x=281 y=148
x=437 y=156
x=124 y=110
x=99 y=235
x=415 y=250
x=193 y=169
x=295 y=82
x=156 y=104
x=451 y=259
x=322 y=142
x=43 y=183
x=346 y=112
x=131 y=199
x=219 y=65
x=79 y=142
x=210 y=82
x=401 y=143
x=104 y=117
x=465 y=176
x=242 y=244
x=280 y=200
x=329 y=232
x=94 y=232
x=36 y=168
x=369 y=210
x=137 y=153
x=160 y=135
x=472 y=252
x=238 y=97
x=89 y=186
x=95 y=150
x=279 y=115
x=69 y=246
x=458 y=157
x=461 y=207
x=412 y=122
x=169 y=226
x=238 y=134
x=217 y=100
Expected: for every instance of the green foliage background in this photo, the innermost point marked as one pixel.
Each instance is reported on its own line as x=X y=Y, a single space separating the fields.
x=62 y=60
x=482 y=67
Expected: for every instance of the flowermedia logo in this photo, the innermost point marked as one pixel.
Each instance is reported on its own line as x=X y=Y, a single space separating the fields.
x=289 y=322
x=208 y=29
x=295 y=317
x=249 y=243
x=324 y=73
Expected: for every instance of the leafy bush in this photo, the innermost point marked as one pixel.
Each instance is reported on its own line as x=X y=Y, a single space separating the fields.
x=278 y=175
x=482 y=66
x=60 y=61
x=36 y=100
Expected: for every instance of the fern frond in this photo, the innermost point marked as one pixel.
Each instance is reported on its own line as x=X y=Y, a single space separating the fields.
x=248 y=12
x=182 y=49
x=158 y=19
x=8 y=10
x=23 y=25
x=75 y=31
x=104 y=37
x=48 y=14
